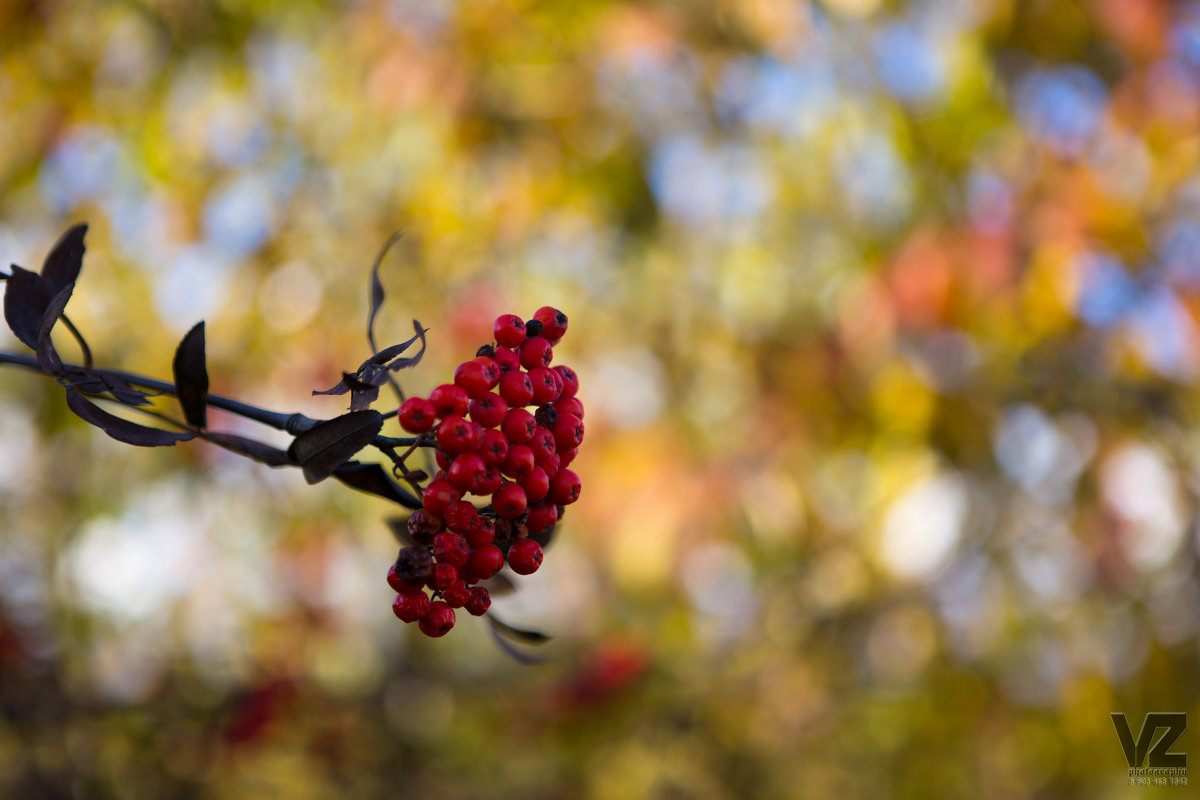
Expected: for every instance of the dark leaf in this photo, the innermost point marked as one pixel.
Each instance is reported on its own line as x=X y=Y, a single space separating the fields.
x=338 y=388
x=373 y=479
x=47 y=356
x=122 y=429
x=65 y=259
x=191 y=377
x=93 y=383
x=376 y=287
x=251 y=448
x=361 y=399
x=328 y=445
x=388 y=353
x=498 y=631
x=401 y=363
x=520 y=634
x=25 y=301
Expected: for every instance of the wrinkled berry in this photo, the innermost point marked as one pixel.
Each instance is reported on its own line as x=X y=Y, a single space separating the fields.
x=438 y=621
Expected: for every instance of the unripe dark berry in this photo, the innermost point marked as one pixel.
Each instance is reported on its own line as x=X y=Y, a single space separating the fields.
x=507 y=359
x=516 y=388
x=568 y=432
x=450 y=548
x=570 y=380
x=519 y=462
x=456 y=435
x=413 y=565
x=534 y=352
x=479 y=602
x=509 y=330
x=508 y=501
x=466 y=471
x=438 y=621
x=488 y=410
x=485 y=350
x=518 y=426
x=449 y=400
x=546 y=416
x=439 y=495
x=417 y=415
x=564 y=487
x=485 y=562
x=536 y=484
x=422 y=526
x=457 y=594
x=411 y=607
x=525 y=556
x=554 y=322
x=472 y=377
x=533 y=327
x=493 y=447
x=545 y=385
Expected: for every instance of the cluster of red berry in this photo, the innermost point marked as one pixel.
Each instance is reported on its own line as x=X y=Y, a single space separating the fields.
x=489 y=445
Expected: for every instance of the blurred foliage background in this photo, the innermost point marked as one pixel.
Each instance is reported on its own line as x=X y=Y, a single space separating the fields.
x=886 y=319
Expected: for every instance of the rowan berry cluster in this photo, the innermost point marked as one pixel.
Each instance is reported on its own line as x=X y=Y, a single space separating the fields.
x=488 y=444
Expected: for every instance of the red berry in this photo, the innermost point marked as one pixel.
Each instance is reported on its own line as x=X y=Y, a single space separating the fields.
x=479 y=602
x=472 y=377
x=525 y=557
x=462 y=517
x=485 y=561
x=493 y=447
x=466 y=471
x=456 y=435
x=439 y=495
x=542 y=444
x=518 y=426
x=535 y=352
x=508 y=501
x=567 y=456
x=519 y=462
x=492 y=479
x=489 y=409
x=564 y=487
x=411 y=607
x=545 y=385
x=568 y=432
x=569 y=405
x=570 y=380
x=540 y=517
x=483 y=533
x=450 y=548
x=507 y=359
x=443 y=575
x=536 y=484
x=491 y=370
x=554 y=323
x=516 y=388
x=417 y=415
x=551 y=464
x=509 y=330
x=449 y=400
x=438 y=621
x=457 y=594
